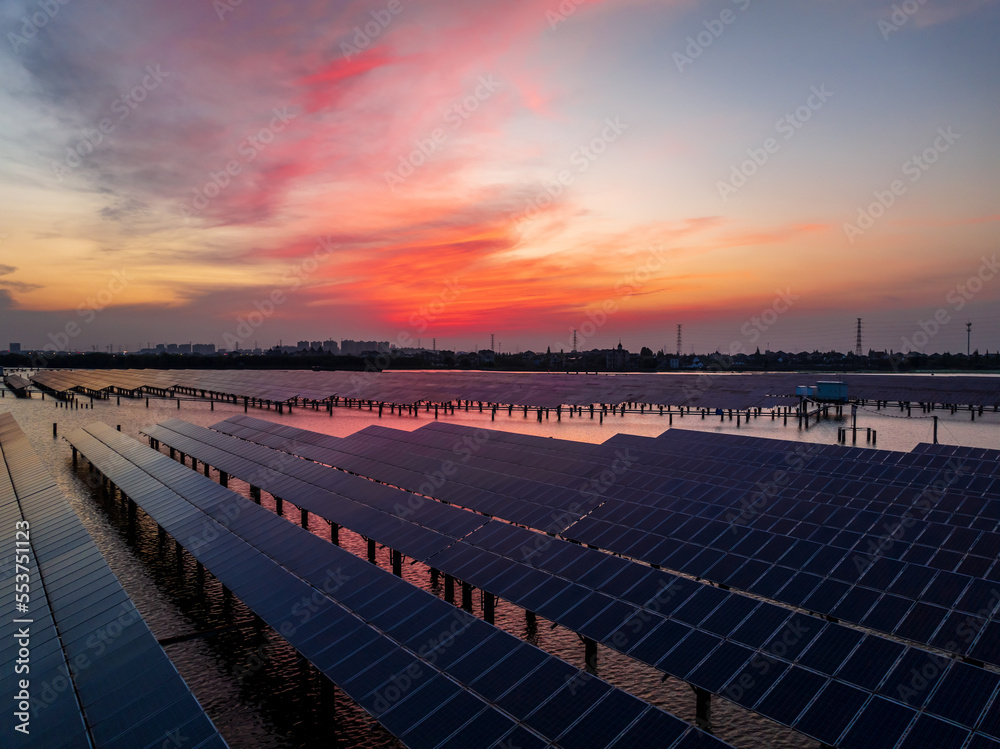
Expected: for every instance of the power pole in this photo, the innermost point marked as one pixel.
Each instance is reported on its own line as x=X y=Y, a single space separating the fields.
x=492 y=347
x=574 y=340
x=857 y=345
x=968 y=339
x=678 y=340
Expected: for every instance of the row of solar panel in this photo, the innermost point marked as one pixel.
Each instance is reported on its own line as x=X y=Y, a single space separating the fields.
x=980 y=462
x=983 y=515
x=417 y=619
x=595 y=615
x=982 y=547
x=124 y=691
x=948 y=558
x=675 y=543
x=879 y=468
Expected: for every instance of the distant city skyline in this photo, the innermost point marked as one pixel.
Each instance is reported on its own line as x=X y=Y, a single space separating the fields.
x=255 y=172
x=928 y=335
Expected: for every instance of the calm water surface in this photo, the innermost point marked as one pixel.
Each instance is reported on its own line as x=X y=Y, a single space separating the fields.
x=256 y=688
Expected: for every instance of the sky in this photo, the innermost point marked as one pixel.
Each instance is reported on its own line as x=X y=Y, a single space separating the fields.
x=244 y=173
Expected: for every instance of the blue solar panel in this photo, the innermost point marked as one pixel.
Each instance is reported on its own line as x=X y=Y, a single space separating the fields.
x=871 y=662
x=882 y=718
x=790 y=694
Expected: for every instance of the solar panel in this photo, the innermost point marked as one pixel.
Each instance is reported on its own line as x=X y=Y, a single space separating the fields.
x=369 y=593
x=794 y=587
x=128 y=690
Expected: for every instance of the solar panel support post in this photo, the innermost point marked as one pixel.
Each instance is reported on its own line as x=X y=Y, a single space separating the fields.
x=466 y=596
x=489 y=607
x=335 y=534
x=590 y=654
x=434 y=576
x=397 y=563
x=304 y=516
x=371 y=551
x=449 y=588
x=530 y=619
x=703 y=708
x=279 y=506
x=935 y=429
x=74 y=456
x=255 y=493
x=206 y=468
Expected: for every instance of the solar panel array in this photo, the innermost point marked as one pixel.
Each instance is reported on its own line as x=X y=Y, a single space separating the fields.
x=534 y=389
x=805 y=553
x=720 y=622
x=16 y=383
x=378 y=637
x=97 y=676
x=595 y=594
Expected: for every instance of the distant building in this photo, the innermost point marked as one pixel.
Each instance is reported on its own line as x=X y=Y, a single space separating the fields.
x=350 y=347
x=302 y=345
x=617 y=358
x=316 y=345
x=15 y=348
x=183 y=348
x=171 y=348
x=332 y=346
x=203 y=348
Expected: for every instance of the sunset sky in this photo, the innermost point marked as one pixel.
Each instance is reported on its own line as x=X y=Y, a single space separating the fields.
x=191 y=170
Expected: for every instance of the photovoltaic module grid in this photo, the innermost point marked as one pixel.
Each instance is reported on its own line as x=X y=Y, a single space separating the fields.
x=545 y=390
x=97 y=675
x=866 y=661
x=374 y=634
